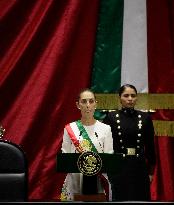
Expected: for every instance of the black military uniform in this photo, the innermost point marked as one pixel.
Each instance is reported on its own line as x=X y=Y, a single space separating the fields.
x=133 y=137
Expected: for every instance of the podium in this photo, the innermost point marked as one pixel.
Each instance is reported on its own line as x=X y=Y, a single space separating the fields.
x=67 y=163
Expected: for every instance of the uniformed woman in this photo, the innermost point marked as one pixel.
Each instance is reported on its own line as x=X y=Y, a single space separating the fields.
x=133 y=140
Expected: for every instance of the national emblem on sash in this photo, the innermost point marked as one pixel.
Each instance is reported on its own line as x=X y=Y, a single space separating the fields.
x=86 y=145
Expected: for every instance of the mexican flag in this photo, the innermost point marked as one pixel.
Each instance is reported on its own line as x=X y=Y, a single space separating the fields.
x=132 y=46
x=121 y=46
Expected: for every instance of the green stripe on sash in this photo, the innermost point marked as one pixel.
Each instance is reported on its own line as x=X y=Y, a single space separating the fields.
x=85 y=135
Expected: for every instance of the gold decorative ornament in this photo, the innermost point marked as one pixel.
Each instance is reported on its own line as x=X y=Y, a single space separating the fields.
x=2 y=130
x=89 y=163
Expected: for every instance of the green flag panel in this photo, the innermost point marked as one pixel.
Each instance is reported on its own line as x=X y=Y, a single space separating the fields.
x=106 y=73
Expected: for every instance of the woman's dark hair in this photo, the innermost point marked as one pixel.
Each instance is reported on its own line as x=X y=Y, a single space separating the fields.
x=123 y=87
x=84 y=90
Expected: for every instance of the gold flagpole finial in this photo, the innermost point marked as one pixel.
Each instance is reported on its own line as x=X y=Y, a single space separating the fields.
x=2 y=130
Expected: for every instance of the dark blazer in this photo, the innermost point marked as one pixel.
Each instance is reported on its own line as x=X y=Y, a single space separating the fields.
x=133 y=128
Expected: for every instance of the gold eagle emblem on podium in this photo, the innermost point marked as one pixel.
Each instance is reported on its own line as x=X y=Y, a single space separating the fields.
x=89 y=163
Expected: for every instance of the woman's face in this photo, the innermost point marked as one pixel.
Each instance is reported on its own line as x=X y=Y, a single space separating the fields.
x=86 y=103
x=128 y=98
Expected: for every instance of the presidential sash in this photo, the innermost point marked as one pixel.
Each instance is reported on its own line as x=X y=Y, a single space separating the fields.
x=86 y=142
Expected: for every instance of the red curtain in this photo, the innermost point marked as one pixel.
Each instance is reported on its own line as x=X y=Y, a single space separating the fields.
x=161 y=73
x=45 y=59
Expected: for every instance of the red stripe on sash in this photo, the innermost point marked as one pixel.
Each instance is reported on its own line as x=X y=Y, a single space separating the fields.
x=72 y=135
